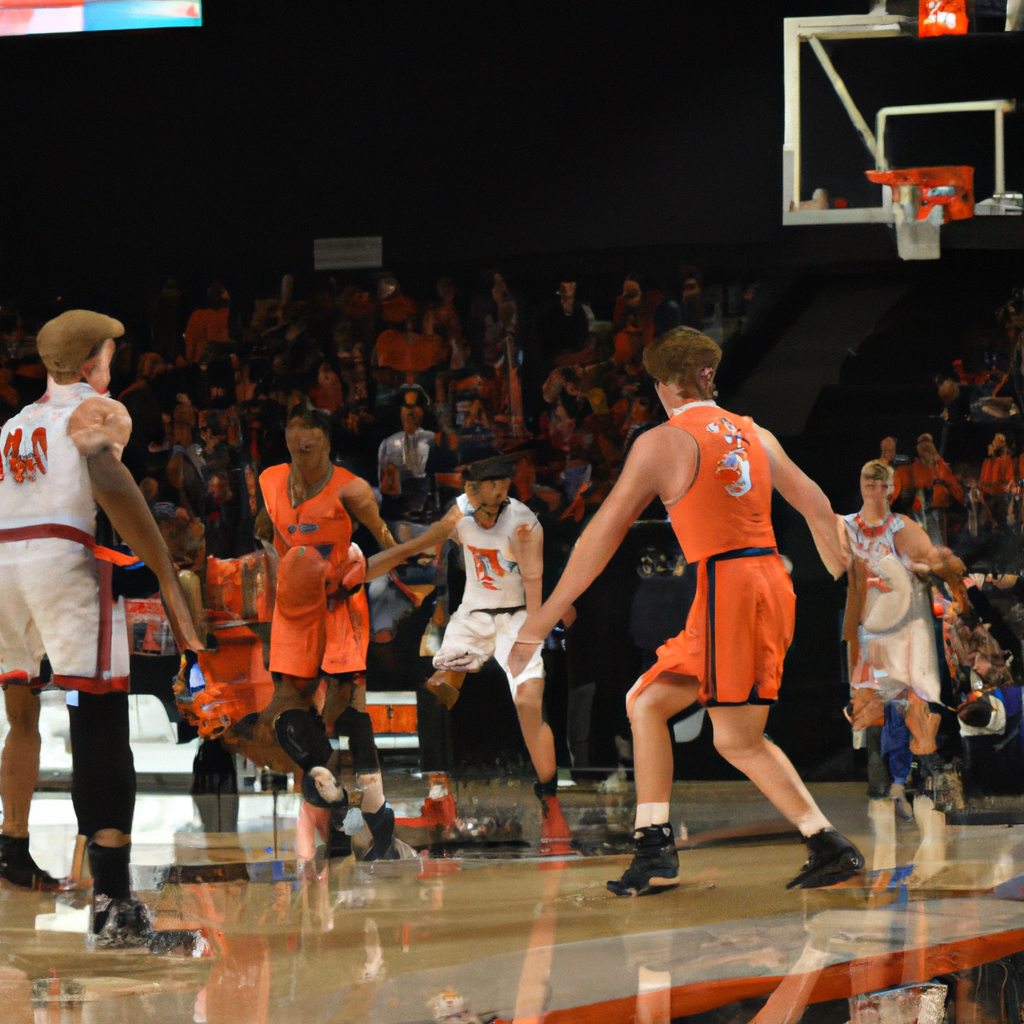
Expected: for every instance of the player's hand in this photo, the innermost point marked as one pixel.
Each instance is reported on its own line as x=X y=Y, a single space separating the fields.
x=457 y=663
x=447 y=523
x=569 y=617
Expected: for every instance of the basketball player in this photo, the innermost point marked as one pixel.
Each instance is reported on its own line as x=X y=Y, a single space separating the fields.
x=320 y=595
x=888 y=622
x=715 y=472
x=503 y=546
x=60 y=456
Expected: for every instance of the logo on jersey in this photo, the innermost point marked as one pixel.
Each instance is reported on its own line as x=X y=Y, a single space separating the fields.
x=490 y=566
x=734 y=471
x=24 y=462
x=734 y=467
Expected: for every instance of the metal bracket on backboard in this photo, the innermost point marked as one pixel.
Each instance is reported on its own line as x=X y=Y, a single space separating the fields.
x=812 y=30
x=870 y=26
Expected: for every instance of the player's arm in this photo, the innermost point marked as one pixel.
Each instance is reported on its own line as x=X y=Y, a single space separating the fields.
x=384 y=561
x=360 y=503
x=100 y=428
x=925 y=557
x=638 y=485
x=809 y=500
x=527 y=543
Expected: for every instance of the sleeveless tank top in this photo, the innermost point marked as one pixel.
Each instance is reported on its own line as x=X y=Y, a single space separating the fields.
x=873 y=543
x=44 y=479
x=729 y=504
x=321 y=522
x=493 y=579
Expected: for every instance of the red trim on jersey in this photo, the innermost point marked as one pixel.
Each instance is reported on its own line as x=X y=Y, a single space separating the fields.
x=873 y=531
x=62 y=532
x=94 y=686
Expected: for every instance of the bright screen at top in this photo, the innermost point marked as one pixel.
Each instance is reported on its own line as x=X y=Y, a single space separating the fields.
x=29 y=17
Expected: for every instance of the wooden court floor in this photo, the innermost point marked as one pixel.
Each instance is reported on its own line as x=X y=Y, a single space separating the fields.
x=505 y=935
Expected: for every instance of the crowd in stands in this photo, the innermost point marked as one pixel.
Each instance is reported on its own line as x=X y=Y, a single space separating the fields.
x=425 y=384
x=974 y=503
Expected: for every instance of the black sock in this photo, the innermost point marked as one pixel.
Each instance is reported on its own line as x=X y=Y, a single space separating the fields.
x=13 y=844
x=111 y=873
x=549 y=788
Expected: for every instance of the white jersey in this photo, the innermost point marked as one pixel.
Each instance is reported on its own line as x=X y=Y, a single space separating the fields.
x=44 y=479
x=492 y=573
x=873 y=543
x=895 y=632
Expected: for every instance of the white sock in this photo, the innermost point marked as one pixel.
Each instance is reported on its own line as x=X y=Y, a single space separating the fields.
x=651 y=814
x=373 y=792
x=811 y=822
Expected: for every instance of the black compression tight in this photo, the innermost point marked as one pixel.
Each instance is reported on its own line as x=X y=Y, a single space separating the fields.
x=103 y=782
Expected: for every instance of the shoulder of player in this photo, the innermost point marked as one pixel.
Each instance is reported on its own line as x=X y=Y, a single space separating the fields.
x=273 y=474
x=98 y=410
x=521 y=515
x=102 y=404
x=652 y=442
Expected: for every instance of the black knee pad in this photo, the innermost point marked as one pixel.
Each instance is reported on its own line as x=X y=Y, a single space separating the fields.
x=303 y=738
x=312 y=796
x=356 y=725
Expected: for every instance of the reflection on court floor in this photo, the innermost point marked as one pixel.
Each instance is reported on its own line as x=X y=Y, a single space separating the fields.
x=484 y=929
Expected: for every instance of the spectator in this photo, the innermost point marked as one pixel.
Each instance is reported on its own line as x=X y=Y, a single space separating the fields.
x=206 y=333
x=563 y=327
x=402 y=462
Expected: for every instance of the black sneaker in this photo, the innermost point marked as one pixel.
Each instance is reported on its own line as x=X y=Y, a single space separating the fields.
x=120 y=924
x=833 y=859
x=382 y=827
x=18 y=867
x=655 y=865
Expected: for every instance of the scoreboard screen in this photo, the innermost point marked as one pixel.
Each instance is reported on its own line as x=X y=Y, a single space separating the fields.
x=33 y=17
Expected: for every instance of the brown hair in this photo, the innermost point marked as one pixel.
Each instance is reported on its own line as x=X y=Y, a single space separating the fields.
x=311 y=419
x=679 y=355
x=876 y=469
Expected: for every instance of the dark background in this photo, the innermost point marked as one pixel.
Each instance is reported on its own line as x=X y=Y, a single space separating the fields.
x=462 y=132
x=550 y=139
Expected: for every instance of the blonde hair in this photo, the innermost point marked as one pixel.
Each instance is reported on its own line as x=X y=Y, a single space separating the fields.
x=876 y=469
x=678 y=356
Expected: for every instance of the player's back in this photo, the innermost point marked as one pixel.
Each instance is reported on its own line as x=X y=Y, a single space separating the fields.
x=729 y=503
x=44 y=479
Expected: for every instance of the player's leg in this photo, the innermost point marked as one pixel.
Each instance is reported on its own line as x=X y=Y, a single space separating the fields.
x=19 y=764
x=378 y=814
x=740 y=739
x=555 y=834
x=103 y=794
x=19 y=770
x=21 y=650
x=467 y=643
x=651 y=703
x=445 y=685
x=497 y=635
x=537 y=734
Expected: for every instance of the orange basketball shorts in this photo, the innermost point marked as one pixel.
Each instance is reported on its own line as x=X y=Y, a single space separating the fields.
x=737 y=633
x=312 y=634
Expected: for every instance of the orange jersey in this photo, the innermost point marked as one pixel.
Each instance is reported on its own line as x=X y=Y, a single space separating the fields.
x=741 y=620
x=320 y=525
x=997 y=474
x=322 y=522
x=729 y=503
x=938 y=479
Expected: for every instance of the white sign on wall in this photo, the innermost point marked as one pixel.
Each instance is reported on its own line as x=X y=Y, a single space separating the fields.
x=348 y=253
